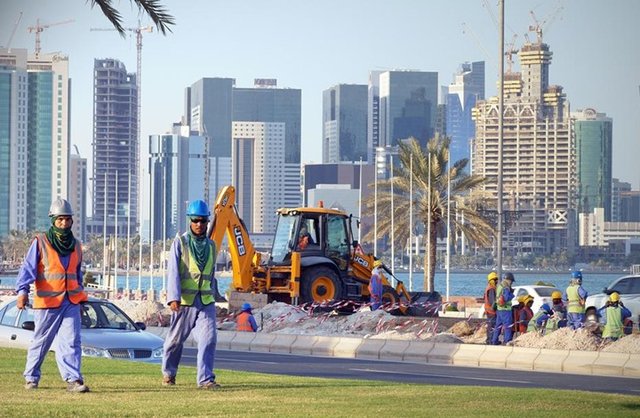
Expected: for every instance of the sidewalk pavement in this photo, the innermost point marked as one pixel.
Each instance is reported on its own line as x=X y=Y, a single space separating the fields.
x=471 y=355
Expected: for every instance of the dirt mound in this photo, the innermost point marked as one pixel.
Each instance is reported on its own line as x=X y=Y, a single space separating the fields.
x=462 y=329
x=278 y=317
x=147 y=311
x=629 y=344
x=561 y=339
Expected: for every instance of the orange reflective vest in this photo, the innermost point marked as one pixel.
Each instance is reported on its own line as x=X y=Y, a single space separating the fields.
x=489 y=302
x=53 y=281
x=242 y=323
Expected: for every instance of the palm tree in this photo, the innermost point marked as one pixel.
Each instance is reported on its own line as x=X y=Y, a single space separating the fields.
x=465 y=216
x=158 y=14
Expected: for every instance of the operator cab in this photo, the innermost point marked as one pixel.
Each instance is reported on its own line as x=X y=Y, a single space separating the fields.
x=313 y=232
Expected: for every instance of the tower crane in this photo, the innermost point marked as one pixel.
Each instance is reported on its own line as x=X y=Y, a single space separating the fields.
x=13 y=32
x=546 y=23
x=138 y=31
x=511 y=50
x=38 y=29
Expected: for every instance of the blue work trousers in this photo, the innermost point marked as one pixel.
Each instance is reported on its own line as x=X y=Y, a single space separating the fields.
x=504 y=323
x=575 y=320
x=63 y=323
x=201 y=319
x=491 y=325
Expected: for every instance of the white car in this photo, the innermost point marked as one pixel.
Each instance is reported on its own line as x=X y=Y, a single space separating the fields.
x=106 y=332
x=541 y=294
x=629 y=289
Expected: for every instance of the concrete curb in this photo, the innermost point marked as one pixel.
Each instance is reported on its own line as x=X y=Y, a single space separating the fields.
x=469 y=355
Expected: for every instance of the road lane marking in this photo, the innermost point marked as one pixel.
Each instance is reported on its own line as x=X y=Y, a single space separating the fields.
x=236 y=360
x=442 y=375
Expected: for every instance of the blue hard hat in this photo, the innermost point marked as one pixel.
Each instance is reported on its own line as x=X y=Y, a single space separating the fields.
x=246 y=306
x=576 y=274
x=508 y=276
x=198 y=208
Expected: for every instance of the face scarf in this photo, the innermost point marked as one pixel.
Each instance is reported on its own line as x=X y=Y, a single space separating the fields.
x=62 y=240
x=199 y=247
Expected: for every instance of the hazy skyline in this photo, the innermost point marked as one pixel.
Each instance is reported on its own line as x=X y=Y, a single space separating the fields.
x=313 y=46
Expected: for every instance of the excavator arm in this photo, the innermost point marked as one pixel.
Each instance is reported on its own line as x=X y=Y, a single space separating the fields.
x=244 y=258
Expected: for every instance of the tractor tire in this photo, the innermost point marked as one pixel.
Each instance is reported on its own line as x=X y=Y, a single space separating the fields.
x=389 y=296
x=319 y=284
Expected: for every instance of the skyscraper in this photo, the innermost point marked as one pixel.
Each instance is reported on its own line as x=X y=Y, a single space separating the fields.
x=466 y=89
x=34 y=137
x=265 y=102
x=408 y=105
x=618 y=188
x=177 y=166
x=538 y=157
x=13 y=140
x=77 y=194
x=593 y=139
x=167 y=169
x=208 y=113
x=373 y=114
x=259 y=173
x=115 y=147
x=344 y=123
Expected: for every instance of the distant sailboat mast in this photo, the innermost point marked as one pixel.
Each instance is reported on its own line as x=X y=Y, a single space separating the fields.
x=115 y=257
x=104 y=233
x=128 y=234
x=411 y=223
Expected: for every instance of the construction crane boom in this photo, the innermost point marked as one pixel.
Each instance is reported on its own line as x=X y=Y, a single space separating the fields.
x=537 y=27
x=13 y=32
x=38 y=29
x=511 y=50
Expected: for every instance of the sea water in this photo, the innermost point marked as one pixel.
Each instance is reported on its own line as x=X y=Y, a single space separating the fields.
x=460 y=284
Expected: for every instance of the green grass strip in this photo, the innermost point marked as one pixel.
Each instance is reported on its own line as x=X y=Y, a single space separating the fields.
x=124 y=389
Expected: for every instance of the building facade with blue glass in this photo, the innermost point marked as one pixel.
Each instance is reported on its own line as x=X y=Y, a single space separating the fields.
x=462 y=94
x=344 y=123
x=34 y=137
x=593 y=138
x=408 y=106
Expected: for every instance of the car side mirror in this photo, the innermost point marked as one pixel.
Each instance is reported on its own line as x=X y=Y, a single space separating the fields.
x=29 y=325
x=141 y=326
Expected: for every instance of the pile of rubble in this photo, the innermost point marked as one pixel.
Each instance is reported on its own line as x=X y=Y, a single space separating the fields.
x=283 y=318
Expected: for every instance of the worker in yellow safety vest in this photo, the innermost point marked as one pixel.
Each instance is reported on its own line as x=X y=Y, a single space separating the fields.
x=191 y=297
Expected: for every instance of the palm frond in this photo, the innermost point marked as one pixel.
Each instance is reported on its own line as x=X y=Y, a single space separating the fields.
x=156 y=11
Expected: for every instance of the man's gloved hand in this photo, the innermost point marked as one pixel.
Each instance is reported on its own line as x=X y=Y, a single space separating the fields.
x=22 y=301
x=174 y=305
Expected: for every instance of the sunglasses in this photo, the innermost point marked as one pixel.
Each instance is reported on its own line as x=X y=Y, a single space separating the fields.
x=199 y=220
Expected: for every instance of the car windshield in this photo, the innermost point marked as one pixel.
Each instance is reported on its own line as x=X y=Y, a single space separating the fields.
x=105 y=315
x=545 y=291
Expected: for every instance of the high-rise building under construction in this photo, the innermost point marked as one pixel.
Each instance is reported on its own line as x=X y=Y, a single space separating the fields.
x=538 y=157
x=115 y=148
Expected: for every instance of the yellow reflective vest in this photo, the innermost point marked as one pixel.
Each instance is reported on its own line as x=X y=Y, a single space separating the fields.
x=192 y=280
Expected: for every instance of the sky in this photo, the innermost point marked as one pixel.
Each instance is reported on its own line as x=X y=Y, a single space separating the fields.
x=315 y=45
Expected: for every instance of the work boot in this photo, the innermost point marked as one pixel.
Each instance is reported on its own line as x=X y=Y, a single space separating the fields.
x=31 y=385
x=210 y=385
x=168 y=380
x=77 y=386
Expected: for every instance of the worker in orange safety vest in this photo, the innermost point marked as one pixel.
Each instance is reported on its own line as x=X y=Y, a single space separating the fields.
x=246 y=322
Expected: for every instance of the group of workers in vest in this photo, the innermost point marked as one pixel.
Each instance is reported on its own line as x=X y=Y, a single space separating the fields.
x=566 y=309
